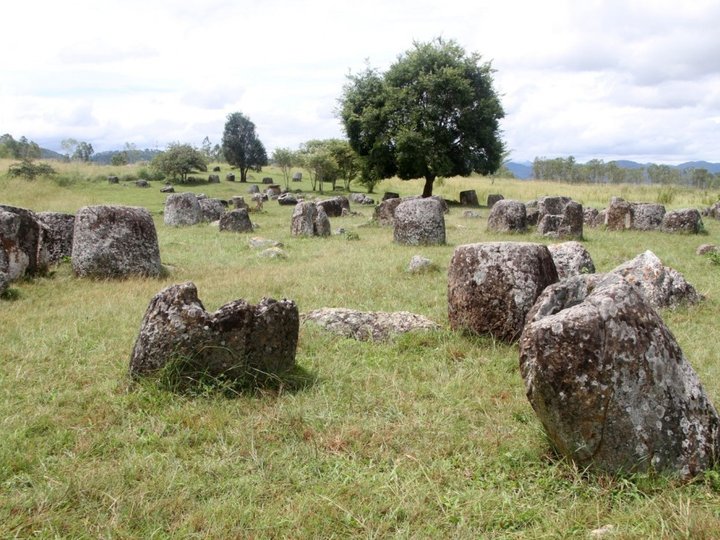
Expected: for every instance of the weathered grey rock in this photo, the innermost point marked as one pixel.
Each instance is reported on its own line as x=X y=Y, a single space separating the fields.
x=267 y=180
x=309 y=220
x=590 y=217
x=4 y=283
x=493 y=198
x=661 y=285
x=560 y=217
x=322 y=223
x=216 y=169
x=115 y=242
x=256 y=242
x=385 y=212
x=552 y=205
x=361 y=198
x=571 y=259
x=57 y=235
x=182 y=209
x=142 y=183
x=167 y=189
x=469 y=198
x=212 y=209
x=238 y=342
x=273 y=192
x=236 y=220
x=22 y=250
x=618 y=215
x=419 y=222
x=213 y=179
x=287 y=199
x=253 y=189
x=610 y=384
x=230 y=177
x=419 y=264
x=273 y=253
x=390 y=195
x=704 y=249
x=238 y=201
x=471 y=214
x=492 y=286
x=368 y=325
x=303 y=219
x=297 y=177
x=713 y=211
x=532 y=213
x=334 y=206
x=686 y=221
x=647 y=216
x=507 y=216
x=113 y=180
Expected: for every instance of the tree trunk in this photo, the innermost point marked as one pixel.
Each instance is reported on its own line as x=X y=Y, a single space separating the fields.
x=427 y=190
x=243 y=174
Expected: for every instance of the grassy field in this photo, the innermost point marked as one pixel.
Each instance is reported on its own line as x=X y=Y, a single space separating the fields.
x=429 y=435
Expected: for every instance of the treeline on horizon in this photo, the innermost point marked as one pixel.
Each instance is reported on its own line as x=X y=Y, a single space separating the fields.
x=557 y=169
x=597 y=171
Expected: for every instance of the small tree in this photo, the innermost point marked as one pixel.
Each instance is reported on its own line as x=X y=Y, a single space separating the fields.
x=178 y=161
x=119 y=158
x=285 y=159
x=433 y=113
x=241 y=146
x=29 y=170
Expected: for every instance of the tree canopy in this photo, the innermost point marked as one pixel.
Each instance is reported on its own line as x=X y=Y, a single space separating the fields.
x=433 y=113
x=241 y=146
x=178 y=161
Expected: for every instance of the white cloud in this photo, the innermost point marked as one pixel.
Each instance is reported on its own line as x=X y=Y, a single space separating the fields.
x=633 y=78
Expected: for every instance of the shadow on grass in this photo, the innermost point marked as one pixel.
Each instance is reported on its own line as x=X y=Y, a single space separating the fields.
x=196 y=383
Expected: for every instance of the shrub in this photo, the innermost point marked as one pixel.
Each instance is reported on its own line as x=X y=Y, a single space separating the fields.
x=666 y=195
x=29 y=170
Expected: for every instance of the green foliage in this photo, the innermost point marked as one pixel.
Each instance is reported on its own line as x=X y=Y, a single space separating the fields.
x=433 y=113
x=29 y=171
x=178 y=161
x=20 y=149
x=666 y=195
x=119 y=159
x=714 y=257
x=150 y=174
x=241 y=146
x=285 y=159
x=317 y=157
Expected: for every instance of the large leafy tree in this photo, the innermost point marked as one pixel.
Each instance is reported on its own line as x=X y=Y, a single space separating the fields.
x=178 y=161
x=434 y=113
x=241 y=146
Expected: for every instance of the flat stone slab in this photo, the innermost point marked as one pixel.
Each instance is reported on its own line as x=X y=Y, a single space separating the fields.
x=368 y=325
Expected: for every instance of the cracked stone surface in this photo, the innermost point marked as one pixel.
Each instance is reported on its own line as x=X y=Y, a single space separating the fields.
x=236 y=341
x=611 y=385
x=368 y=325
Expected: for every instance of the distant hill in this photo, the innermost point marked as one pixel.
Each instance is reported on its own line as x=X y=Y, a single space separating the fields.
x=104 y=158
x=520 y=170
x=524 y=170
x=50 y=154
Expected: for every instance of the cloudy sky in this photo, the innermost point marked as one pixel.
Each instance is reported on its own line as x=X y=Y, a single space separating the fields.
x=625 y=79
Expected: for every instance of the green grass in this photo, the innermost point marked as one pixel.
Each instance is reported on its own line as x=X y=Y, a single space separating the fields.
x=429 y=435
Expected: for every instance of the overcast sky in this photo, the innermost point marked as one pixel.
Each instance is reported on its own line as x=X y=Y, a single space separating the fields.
x=626 y=79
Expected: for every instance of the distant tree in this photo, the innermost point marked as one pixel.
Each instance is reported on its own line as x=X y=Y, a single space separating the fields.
x=83 y=152
x=20 y=149
x=241 y=146
x=347 y=160
x=315 y=156
x=178 y=161
x=433 y=113
x=119 y=159
x=69 y=146
x=285 y=159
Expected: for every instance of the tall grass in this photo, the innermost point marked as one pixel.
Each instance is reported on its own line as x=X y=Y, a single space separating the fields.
x=429 y=435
